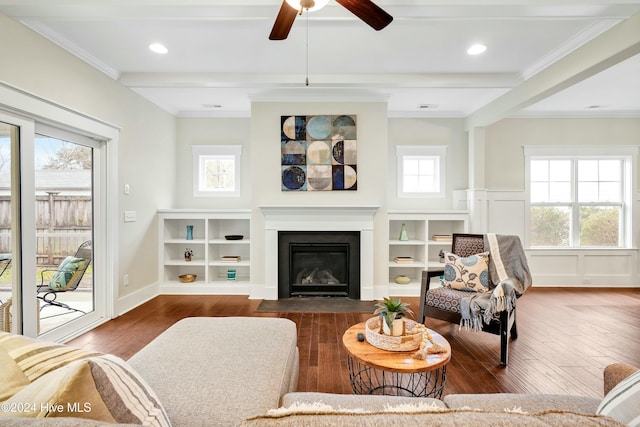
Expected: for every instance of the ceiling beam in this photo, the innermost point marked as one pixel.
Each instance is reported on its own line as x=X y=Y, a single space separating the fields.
x=610 y=48
x=398 y=80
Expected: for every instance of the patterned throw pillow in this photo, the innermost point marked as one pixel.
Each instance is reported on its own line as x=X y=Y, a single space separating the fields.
x=467 y=274
x=68 y=273
x=102 y=388
x=623 y=401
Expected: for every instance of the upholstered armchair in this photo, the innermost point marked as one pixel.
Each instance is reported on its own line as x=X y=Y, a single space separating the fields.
x=484 y=299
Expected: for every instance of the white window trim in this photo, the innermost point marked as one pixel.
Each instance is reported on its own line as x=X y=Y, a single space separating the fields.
x=630 y=173
x=439 y=151
x=234 y=151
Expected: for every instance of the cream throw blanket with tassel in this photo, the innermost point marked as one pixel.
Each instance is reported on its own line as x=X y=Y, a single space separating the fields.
x=510 y=278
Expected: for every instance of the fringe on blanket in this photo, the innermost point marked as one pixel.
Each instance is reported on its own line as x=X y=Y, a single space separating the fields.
x=481 y=308
x=474 y=323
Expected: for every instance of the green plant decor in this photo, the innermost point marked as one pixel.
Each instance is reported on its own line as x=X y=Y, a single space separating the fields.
x=391 y=309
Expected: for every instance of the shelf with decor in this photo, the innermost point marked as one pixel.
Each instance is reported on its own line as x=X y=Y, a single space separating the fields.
x=419 y=236
x=215 y=234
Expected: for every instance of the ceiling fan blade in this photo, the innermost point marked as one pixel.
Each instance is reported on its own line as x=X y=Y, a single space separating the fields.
x=369 y=12
x=283 y=23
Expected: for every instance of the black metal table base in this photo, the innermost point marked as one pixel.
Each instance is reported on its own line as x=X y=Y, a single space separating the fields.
x=368 y=380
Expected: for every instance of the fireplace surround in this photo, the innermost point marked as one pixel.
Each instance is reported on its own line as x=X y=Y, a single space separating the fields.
x=318 y=218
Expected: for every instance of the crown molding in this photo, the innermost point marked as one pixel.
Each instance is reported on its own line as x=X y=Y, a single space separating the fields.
x=71 y=47
x=581 y=38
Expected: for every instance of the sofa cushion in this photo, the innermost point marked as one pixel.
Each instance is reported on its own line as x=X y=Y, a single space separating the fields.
x=467 y=274
x=218 y=371
x=418 y=415
x=623 y=401
x=57 y=422
x=354 y=401
x=530 y=403
x=101 y=388
x=35 y=357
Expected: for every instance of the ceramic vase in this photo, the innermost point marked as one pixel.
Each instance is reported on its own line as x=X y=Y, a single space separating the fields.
x=403 y=233
x=189 y=232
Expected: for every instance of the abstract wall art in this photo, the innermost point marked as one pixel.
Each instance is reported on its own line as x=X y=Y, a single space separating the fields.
x=318 y=153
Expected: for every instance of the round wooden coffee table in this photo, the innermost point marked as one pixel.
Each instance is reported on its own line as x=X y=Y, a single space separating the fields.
x=376 y=371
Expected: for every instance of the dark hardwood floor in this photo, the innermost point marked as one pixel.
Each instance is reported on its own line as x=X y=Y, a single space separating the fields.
x=566 y=338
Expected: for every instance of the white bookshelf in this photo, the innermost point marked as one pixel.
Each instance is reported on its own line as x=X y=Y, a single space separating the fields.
x=421 y=226
x=208 y=245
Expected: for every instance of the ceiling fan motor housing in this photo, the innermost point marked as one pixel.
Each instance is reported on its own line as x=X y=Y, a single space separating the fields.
x=307 y=4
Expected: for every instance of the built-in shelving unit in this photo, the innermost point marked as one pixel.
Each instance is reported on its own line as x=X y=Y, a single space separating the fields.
x=420 y=246
x=209 y=245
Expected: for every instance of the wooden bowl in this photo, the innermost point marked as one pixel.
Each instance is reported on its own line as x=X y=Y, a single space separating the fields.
x=187 y=278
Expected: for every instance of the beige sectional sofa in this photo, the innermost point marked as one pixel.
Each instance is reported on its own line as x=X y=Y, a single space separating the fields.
x=243 y=371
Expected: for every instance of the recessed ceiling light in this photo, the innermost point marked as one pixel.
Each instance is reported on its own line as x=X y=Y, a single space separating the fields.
x=158 y=48
x=476 y=49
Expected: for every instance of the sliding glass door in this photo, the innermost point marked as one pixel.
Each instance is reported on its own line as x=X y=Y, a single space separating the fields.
x=51 y=229
x=64 y=228
x=9 y=321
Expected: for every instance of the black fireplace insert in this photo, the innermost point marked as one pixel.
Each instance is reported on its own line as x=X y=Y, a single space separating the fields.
x=319 y=263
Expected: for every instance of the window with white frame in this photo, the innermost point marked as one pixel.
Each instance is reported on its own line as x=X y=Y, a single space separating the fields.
x=216 y=170
x=421 y=170
x=579 y=200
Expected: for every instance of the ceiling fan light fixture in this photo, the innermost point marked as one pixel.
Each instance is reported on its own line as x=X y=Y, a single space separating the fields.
x=158 y=48
x=477 y=49
x=317 y=4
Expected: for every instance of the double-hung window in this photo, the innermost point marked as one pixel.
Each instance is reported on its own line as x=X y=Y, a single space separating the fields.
x=421 y=171
x=579 y=200
x=216 y=170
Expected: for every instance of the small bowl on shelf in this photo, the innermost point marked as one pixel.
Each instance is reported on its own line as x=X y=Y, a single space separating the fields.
x=403 y=280
x=187 y=278
x=234 y=237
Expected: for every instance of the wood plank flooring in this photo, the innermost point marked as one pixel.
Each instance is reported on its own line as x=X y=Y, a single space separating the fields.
x=566 y=338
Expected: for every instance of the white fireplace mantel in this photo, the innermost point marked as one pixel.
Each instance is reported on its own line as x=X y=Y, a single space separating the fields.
x=319 y=218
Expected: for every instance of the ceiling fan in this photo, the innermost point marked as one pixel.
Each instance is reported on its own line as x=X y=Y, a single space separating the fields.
x=366 y=10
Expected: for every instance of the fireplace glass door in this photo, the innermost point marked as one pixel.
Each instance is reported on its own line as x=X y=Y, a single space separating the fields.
x=319 y=269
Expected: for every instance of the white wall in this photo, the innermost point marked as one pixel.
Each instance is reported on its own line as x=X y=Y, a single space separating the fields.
x=266 y=181
x=420 y=131
x=146 y=150
x=505 y=140
x=218 y=131
x=505 y=199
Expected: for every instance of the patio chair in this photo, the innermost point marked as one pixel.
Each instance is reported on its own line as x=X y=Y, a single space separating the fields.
x=5 y=261
x=65 y=278
x=444 y=303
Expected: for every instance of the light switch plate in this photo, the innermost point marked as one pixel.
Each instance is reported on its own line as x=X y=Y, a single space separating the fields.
x=129 y=216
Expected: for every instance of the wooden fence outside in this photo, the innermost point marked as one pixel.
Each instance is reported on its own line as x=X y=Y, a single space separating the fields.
x=63 y=222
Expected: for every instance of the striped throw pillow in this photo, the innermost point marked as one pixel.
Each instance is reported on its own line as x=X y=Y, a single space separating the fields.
x=36 y=358
x=102 y=388
x=623 y=401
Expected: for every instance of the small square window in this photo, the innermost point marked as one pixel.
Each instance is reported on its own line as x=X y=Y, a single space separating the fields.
x=216 y=170
x=421 y=171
